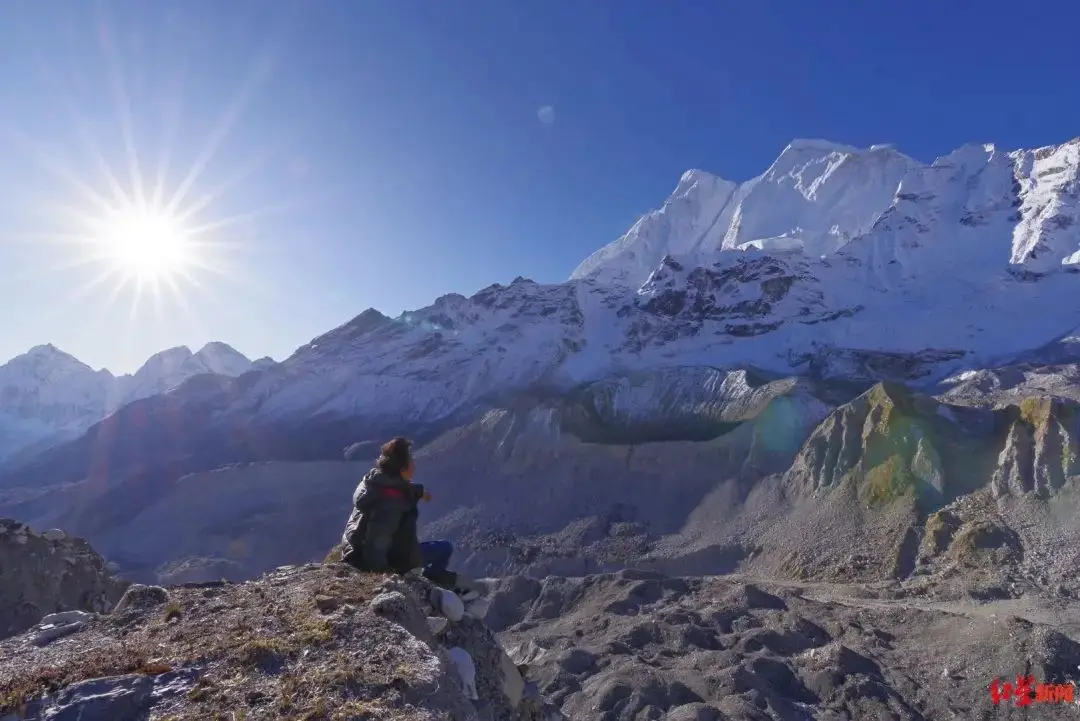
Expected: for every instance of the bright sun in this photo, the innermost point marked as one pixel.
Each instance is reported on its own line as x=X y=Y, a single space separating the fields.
x=146 y=243
x=151 y=234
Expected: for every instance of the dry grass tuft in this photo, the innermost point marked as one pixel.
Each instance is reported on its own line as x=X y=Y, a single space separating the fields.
x=173 y=611
x=267 y=653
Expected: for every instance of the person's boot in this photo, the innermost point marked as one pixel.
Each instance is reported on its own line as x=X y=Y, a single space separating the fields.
x=469 y=589
x=443 y=579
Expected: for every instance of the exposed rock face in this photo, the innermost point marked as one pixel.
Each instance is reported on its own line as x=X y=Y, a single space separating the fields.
x=302 y=642
x=895 y=483
x=895 y=443
x=47 y=573
x=743 y=296
x=1042 y=449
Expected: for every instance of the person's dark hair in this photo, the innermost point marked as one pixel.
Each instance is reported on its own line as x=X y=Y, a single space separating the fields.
x=394 y=456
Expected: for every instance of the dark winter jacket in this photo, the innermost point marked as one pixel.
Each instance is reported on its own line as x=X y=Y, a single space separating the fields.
x=380 y=534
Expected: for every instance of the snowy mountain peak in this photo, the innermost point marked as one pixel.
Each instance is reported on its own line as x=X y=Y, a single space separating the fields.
x=45 y=391
x=47 y=353
x=815 y=197
x=42 y=362
x=693 y=177
x=47 y=395
x=46 y=348
x=222 y=359
x=167 y=357
x=217 y=347
x=816 y=145
x=1003 y=210
x=167 y=369
x=679 y=227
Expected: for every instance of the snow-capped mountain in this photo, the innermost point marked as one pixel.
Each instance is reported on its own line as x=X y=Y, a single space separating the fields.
x=165 y=370
x=47 y=395
x=819 y=197
x=835 y=261
x=263 y=363
x=815 y=197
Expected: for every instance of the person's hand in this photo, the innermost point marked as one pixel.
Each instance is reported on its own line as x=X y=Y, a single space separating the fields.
x=426 y=496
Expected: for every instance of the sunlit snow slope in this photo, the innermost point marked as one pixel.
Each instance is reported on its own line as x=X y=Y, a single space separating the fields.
x=836 y=261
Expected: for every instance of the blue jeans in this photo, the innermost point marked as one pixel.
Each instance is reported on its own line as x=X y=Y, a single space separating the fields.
x=435 y=556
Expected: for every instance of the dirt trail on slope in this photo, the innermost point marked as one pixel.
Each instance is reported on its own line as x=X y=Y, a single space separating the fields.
x=1063 y=614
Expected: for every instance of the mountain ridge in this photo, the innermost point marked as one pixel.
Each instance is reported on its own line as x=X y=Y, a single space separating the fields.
x=48 y=395
x=814 y=180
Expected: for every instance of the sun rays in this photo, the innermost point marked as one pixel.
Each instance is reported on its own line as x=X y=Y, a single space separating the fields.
x=149 y=234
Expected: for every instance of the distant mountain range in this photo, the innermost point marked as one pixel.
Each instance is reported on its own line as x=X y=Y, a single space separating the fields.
x=48 y=396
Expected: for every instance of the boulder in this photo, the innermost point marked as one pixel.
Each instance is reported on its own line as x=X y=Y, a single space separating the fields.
x=47 y=573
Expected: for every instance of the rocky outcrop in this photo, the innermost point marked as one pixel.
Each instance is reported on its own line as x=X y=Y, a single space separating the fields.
x=868 y=366
x=895 y=483
x=1042 y=447
x=893 y=443
x=49 y=572
x=745 y=294
x=315 y=641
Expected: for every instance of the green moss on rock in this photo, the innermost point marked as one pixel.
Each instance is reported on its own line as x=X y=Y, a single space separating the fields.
x=1039 y=411
x=1035 y=411
x=888 y=481
x=900 y=456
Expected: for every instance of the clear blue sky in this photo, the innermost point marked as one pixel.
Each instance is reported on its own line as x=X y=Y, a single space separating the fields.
x=389 y=152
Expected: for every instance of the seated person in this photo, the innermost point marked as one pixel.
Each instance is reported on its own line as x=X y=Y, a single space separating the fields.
x=381 y=534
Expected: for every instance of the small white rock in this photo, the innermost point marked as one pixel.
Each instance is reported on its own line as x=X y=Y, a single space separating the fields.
x=449 y=603
x=513 y=685
x=46 y=634
x=54 y=534
x=466 y=670
x=437 y=624
x=65 y=617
